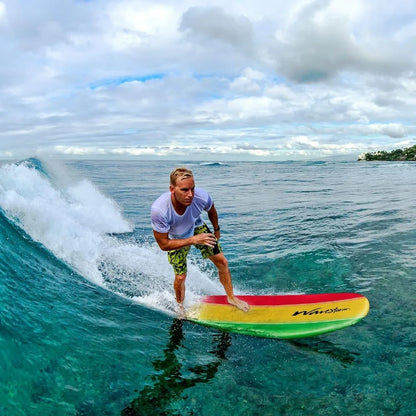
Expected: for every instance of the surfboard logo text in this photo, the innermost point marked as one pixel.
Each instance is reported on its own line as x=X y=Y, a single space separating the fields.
x=319 y=311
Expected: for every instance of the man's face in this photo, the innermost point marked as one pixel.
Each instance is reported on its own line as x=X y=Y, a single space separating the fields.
x=184 y=191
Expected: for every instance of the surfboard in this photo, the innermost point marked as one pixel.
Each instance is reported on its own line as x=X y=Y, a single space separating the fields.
x=282 y=316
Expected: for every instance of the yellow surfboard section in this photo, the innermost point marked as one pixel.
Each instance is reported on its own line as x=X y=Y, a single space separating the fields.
x=286 y=316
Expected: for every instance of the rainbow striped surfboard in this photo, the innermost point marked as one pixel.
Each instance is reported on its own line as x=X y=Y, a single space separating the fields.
x=282 y=316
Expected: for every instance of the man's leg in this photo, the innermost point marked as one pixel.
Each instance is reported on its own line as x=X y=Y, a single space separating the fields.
x=179 y=286
x=216 y=255
x=225 y=278
x=177 y=258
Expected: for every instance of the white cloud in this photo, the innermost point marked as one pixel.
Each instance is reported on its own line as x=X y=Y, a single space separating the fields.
x=79 y=150
x=303 y=142
x=322 y=41
x=215 y=24
x=393 y=130
x=248 y=82
x=155 y=79
x=2 y=12
x=134 y=151
x=136 y=25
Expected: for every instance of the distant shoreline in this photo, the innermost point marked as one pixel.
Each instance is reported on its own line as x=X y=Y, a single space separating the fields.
x=398 y=155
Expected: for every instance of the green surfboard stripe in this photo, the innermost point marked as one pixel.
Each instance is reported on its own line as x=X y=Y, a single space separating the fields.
x=281 y=330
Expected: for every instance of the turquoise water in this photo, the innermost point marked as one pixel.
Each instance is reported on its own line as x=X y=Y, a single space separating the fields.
x=86 y=321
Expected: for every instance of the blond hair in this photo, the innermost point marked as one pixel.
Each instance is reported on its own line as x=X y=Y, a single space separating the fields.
x=180 y=173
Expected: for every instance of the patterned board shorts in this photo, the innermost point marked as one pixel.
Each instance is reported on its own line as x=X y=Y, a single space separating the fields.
x=177 y=258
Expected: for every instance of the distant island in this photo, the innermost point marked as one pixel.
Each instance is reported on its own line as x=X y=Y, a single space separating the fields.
x=408 y=153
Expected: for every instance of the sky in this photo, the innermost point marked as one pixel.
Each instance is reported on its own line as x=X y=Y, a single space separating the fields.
x=206 y=80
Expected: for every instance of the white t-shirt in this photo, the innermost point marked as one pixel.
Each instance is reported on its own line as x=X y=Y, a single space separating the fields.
x=166 y=220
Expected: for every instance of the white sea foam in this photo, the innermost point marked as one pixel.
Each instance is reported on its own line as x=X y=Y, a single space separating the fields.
x=73 y=219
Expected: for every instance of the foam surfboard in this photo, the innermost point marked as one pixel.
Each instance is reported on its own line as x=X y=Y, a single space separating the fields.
x=282 y=316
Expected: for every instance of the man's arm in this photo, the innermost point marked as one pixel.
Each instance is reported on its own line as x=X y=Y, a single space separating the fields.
x=213 y=217
x=166 y=243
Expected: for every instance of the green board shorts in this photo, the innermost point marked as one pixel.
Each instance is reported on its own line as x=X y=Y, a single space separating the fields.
x=177 y=258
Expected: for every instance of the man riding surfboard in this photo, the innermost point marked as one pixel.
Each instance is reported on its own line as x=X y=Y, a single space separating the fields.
x=177 y=224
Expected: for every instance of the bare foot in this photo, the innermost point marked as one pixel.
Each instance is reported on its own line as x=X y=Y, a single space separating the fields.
x=181 y=312
x=238 y=303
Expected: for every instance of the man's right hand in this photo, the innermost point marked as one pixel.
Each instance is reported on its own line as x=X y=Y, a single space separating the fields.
x=205 y=239
x=166 y=244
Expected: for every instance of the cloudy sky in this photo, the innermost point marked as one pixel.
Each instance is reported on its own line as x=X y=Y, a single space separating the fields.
x=210 y=80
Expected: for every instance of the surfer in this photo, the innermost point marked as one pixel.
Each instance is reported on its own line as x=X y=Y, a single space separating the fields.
x=177 y=224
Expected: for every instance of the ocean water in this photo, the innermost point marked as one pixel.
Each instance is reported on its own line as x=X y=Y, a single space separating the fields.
x=86 y=300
